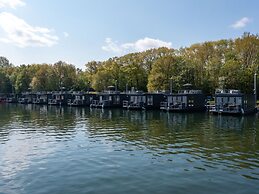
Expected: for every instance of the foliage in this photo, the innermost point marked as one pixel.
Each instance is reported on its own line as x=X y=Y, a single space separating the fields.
x=207 y=66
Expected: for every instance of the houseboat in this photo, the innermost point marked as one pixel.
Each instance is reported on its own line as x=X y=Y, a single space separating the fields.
x=2 y=99
x=12 y=98
x=108 y=99
x=59 y=98
x=135 y=100
x=184 y=101
x=26 y=98
x=153 y=100
x=81 y=99
x=42 y=97
x=142 y=101
x=233 y=102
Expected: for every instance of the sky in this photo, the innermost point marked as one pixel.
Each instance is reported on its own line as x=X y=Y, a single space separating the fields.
x=79 y=31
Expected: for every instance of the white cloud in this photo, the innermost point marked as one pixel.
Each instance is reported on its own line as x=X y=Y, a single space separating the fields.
x=138 y=46
x=112 y=46
x=241 y=23
x=11 y=3
x=65 y=34
x=21 y=34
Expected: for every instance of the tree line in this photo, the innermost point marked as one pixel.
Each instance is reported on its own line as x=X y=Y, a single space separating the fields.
x=224 y=63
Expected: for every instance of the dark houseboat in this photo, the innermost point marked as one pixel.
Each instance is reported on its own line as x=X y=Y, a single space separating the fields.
x=81 y=99
x=58 y=98
x=109 y=99
x=12 y=98
x=42 y=97
x=184 y=101
x=233 y=102
x=142 y=101
x=26 y=98
x=2 y=98
x=135 y=100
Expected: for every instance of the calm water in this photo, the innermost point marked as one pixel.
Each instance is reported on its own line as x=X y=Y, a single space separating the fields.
x=78 y=150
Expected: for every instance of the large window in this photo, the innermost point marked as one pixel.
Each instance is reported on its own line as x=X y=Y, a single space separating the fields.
x=150 y=100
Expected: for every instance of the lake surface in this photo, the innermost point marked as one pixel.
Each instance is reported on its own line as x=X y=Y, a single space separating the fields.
x=79 y=150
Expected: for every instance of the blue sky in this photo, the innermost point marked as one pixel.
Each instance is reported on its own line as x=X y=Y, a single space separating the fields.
x=46 y=31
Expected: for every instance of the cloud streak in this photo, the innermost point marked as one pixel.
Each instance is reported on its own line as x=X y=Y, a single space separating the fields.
x=137 y=46
x=21 y=34
x=11 y=3
x=241 y=23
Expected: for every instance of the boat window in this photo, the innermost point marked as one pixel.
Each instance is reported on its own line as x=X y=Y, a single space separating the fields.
x=169 y=99
x=174 y=99
x=184 y=99
x=117 y=99
x=239 y=100
x=150 y=100
x=218 y=100
x=231 y=100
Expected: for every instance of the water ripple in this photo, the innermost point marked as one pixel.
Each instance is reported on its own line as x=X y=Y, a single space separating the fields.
x=79 y=150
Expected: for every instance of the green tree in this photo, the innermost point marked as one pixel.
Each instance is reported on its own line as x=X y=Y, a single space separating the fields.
x=5 y=83
x=165 y=69
x=23 y=79
x=4 y=62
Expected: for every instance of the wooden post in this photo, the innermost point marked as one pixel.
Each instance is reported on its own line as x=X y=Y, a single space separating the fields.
x=255 y=92
x=171 y=85
x=126 y=88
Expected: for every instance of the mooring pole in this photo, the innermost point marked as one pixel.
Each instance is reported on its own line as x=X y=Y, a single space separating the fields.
x=126 y=88
x=255 y=91
x=116 y=85
x=171 y=85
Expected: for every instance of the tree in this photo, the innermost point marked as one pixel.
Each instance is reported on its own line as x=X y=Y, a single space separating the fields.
x=82 y=81
x=65 y=74
x=23 y=79
x=5 y=83
x=4 y=62
x=165 y=69
x=42 y=79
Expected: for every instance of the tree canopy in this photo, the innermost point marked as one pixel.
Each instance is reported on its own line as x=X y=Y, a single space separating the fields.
x=207 y=66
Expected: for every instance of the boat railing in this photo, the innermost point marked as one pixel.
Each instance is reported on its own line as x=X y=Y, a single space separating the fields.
x=163 y=105
x=22 y=100
x=53 y=101
x=95 y=102
x=225 y=108
x=136 y=104
x=11 y=99
x=74 y=102
x=227 y=91
x=104 y=103
x=176 y=105
x=189 y=92
x=78 y=102
x=125 y=103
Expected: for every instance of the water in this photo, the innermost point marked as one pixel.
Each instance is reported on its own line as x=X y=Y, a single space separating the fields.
x=78 y=150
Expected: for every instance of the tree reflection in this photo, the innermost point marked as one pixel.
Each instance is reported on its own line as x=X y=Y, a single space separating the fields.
x=52 y=121
x=221 y=140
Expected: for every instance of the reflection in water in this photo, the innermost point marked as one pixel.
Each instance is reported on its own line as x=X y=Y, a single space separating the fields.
x=212 y=140
x=228 y=122
x=38 y=138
